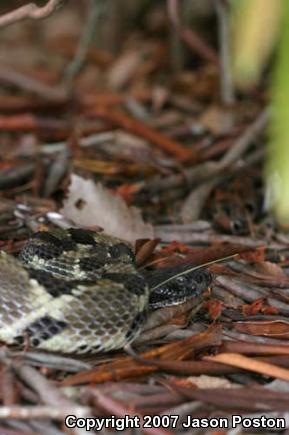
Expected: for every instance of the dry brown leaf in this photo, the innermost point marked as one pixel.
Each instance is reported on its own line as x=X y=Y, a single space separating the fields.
x=90 y=205
x=271 y=269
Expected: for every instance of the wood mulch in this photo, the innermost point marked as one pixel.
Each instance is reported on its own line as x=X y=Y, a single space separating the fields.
x=161 y=140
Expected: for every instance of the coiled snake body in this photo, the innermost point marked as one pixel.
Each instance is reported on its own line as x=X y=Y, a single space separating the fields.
x=77 y=291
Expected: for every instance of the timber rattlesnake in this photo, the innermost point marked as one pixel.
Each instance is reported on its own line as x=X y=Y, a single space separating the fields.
x=77 y=291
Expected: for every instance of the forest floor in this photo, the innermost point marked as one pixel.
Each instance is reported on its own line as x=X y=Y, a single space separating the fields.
x=145 y=150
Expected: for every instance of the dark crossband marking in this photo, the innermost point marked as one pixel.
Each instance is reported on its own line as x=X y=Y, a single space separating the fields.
x=45 y=236
x=58 y=244
x=91 y=264
x=68 y=244
x=135 y=283
x=82 y=236
x=54 y=286
x=43 y=329
x=61 y=243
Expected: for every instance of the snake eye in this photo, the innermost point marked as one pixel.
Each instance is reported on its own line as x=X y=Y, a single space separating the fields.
x=181 y=280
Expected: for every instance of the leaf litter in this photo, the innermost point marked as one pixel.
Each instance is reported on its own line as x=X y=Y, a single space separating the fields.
x=144 y=150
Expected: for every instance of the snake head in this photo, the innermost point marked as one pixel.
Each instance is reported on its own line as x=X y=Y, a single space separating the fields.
x=175 y=285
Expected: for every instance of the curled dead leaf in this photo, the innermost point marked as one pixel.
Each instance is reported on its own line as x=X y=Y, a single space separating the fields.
x=90 y=205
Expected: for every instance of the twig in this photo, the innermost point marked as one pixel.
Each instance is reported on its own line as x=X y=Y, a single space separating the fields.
x=177 y=51
x=244 y=398
x=254 y=339
x=198 y=226
x=94 y=12
x=251 y=293
x=49 y=394
x=155 y=334
x=56 y=172
x=190 y=38
x=87 y=141
x=121 y=119
x=40 y=427
x=28 y=84
x=254 y=348
x=42 y=359
x=29 y=412
x=244 y=141
x=15 y=176
x=194 y=203
x=251 y=364
x=210 y=238
x=30 y=11
x=127 y=367
x=207 y=170
x=227 y=89
x=24 y=103
x=119 y=409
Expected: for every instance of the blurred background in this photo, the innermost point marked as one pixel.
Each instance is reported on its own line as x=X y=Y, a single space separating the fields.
x=201 y=73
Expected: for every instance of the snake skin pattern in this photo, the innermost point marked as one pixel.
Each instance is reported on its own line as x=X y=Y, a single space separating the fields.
x=77 y=291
